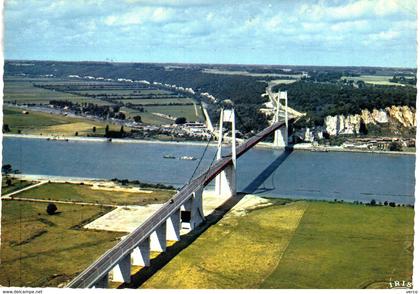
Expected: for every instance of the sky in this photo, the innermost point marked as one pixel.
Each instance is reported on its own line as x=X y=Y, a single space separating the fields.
x=287 y=32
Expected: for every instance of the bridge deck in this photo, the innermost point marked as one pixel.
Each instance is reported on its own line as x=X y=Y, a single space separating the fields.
x=109 y=259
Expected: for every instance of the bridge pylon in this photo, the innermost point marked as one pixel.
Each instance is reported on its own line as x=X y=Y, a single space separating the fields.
x=281 y=136
x=226 y=181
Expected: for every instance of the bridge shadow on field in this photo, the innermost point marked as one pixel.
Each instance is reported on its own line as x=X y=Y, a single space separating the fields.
x=172 y=250
x=254 y=186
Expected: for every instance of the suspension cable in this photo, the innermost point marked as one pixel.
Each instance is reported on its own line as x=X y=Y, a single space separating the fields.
x=201 y=158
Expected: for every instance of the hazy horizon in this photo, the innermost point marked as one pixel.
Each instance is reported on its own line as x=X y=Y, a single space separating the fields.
x=208 y=63
x=360 y=33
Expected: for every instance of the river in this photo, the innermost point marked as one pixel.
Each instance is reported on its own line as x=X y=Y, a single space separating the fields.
x=299 y=174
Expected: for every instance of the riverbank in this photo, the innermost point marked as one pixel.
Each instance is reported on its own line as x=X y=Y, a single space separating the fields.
x=59 y=179
x=324 y=148
x=265 y=145
x=107 y=140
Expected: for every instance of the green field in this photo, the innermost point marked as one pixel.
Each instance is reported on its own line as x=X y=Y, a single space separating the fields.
x=298 y=245
x=273 y=83
x=85 y=193
x=22 y=91
x=156 y=101
x=374 y=80
x=41 y=250
x=187 y=111
x=146 y=117
x=246 y=73
x=125 y=92
x=41 y=123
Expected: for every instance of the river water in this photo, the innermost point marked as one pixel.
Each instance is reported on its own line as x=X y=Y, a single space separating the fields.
x=299 y=174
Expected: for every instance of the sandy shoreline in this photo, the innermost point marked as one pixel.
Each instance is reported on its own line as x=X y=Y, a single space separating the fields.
x=263 y=145
x=59 y=179
x=98 y=139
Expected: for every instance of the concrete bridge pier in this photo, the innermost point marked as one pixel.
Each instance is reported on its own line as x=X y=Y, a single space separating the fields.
x=197 y=213
x=192 y=210
x=122 y=271
x=158 y=239
x=102 y=282
x=173 y=226
x=141 y=254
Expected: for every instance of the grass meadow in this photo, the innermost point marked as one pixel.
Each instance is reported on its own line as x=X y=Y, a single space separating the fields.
x=41 y=123
x=187 y=111
x=22 y=91
x=41 y=250
x=147 y=101
x=85 y=193
x=374 y=80
x=299 y=245
x=147 y=117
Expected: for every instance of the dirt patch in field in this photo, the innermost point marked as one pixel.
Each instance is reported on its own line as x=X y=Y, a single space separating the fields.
x=127 y=218
x=249 y=202
x=123 y=219
x=115 y=188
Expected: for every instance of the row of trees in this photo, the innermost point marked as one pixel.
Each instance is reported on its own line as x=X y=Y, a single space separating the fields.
x=403 y=80
x=102 y=111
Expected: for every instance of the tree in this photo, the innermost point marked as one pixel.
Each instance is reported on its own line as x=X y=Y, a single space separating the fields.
x=94 y=129
x=6 y=168
x=392 y=204
x=51 y=208
x=386 y=203
x=137 y=118
x=120 y=115
x=180 y=120
x=361 y=84
x=363 y=129
x=395 y=146
x=106 y=130
x=6 y=128
x=373 y=202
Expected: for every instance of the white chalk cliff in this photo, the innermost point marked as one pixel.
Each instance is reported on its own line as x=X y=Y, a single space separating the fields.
x=403 y=116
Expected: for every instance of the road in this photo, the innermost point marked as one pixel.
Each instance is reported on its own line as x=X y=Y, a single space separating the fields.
x=61 y=202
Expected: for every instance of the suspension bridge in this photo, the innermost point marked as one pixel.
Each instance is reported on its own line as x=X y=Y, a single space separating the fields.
x=183 y=210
